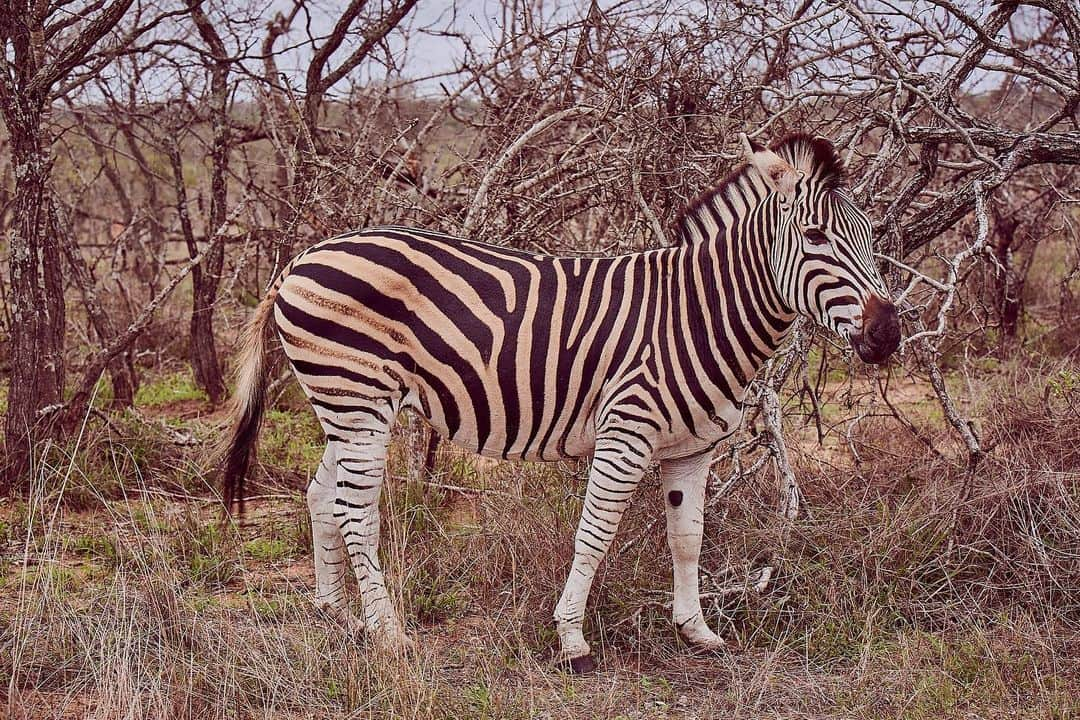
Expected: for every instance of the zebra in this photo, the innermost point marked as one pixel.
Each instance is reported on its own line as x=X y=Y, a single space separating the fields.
x=637 y=359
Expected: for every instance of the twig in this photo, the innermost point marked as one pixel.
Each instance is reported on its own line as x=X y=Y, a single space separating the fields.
x=78 y=402
x=480 y=199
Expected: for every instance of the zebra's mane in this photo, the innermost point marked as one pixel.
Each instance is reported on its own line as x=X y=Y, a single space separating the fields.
x=815 y=156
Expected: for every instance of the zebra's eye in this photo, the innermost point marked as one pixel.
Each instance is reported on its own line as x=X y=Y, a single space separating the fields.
x=815 y=236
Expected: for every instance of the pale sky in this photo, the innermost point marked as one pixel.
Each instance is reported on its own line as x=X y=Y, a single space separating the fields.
x=429 y=51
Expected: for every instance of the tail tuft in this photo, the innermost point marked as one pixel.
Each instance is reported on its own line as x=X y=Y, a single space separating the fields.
x=248 y=404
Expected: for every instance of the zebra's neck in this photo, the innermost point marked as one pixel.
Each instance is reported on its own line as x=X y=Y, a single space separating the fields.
x=739 y=310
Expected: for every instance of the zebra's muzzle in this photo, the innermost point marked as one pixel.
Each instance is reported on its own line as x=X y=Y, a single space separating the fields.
x=880 y=333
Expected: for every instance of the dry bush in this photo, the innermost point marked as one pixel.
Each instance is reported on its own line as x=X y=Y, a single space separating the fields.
x=909 y=537
x=892 y=596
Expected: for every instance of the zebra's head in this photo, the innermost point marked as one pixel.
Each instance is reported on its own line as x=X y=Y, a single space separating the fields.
x=822 y=255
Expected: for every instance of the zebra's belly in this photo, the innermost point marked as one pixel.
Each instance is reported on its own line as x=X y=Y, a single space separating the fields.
x=545 y=436
x=580 y=445
x=687 y=447
x=708 y=432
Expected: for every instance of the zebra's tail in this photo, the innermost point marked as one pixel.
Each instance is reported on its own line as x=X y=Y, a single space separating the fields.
x=248 y=403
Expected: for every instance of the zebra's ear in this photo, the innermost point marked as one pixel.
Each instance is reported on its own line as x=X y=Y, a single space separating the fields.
x=779 y=176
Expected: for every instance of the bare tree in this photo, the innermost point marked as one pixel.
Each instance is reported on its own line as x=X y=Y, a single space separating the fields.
x=206 y=277
x=42 y=45
x=305 y=148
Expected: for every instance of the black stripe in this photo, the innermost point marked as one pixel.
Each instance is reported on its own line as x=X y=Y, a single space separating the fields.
x=330 y=330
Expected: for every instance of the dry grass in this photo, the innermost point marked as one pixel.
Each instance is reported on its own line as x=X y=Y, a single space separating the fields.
x=900 y=593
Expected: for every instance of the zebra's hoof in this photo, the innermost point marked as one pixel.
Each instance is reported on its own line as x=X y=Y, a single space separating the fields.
x=714 y=646
x=398 y=644
x=352 y=624
x=580 y=665
x=709 y=651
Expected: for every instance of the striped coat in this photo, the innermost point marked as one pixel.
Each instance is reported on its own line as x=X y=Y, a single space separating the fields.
x=516 y=355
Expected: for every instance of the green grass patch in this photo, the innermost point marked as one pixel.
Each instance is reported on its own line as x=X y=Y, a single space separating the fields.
x=432 y=600
x=98 y=547
x=269 y=607
x=268 y=549
x=292 y=440
x=168 y=388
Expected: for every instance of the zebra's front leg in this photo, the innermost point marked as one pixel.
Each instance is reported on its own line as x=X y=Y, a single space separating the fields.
x=615 y=474
x=684 y=482
x=331 y=562
x=361 y=466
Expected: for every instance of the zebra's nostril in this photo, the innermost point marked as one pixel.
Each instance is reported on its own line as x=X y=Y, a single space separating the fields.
x=880 y=332
x=884 y=329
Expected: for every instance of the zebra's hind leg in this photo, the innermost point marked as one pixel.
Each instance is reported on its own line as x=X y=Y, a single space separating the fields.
x=361 y=469
x=684 y=482
x=614 y=477
x=331 y=561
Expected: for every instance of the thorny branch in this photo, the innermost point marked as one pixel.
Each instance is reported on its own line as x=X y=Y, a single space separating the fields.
x=764 y=402
x=923 y=339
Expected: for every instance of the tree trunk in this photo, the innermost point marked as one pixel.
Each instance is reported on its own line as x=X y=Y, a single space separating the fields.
x=203 y=349
x=32 y=67
x=37 y=292
x=205 y=279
